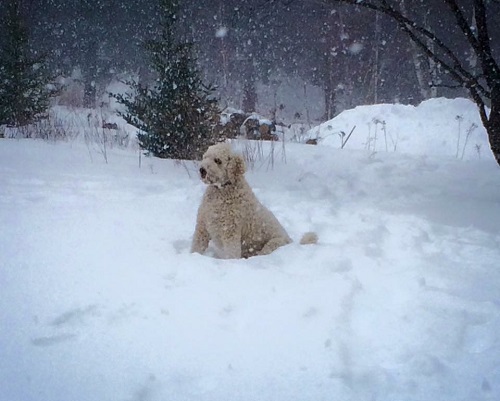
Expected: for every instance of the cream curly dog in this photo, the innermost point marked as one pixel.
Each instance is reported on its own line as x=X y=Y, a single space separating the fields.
x=230 y=214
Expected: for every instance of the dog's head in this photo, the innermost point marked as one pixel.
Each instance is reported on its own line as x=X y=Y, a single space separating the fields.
x=220 y=166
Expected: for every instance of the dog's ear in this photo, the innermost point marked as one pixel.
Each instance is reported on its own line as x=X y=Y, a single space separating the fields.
x=236 y=167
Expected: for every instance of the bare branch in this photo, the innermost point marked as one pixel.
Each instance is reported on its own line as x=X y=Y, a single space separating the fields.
x=480 y=44
x=463 y=25
x=490 y=67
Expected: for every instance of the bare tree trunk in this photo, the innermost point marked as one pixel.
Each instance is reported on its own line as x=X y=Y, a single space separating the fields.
x=492 y=125
x=223 y=48
x=329 y=87
x=308 y=116
x=433 y=73
x=422 y=71
x=89 y=94
x=329 y=102
x=90 y=74
x=376 y=63
x=249 y=101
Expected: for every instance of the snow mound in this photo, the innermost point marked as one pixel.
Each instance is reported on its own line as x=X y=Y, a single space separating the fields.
x=440 y=127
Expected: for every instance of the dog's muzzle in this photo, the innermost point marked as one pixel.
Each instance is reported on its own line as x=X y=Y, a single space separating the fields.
x=203 y=172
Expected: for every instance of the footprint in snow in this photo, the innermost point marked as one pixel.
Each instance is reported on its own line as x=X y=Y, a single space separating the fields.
x=75 y=316
x=182 y=246
x=49 y=341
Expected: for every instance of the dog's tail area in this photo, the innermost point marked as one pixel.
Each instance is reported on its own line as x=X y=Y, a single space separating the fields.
x=309 y=238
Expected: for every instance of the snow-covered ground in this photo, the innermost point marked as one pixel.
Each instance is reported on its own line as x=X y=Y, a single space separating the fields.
x=100 y=298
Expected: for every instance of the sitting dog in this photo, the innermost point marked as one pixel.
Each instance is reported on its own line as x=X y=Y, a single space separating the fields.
x=231 y=215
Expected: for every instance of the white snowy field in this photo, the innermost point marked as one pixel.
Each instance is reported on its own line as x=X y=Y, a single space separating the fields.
x=100 y=298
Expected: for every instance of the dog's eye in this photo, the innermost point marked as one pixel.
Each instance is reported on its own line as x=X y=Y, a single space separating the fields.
x=217 y=161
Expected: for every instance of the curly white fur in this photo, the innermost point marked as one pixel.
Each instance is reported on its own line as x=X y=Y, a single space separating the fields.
x=230 y=215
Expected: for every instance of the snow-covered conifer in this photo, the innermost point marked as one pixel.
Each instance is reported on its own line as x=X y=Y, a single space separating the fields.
x=176 y=114
x=25 y=89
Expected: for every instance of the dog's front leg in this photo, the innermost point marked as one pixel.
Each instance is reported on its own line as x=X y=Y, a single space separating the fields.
x=231 y=245
x=201 y=238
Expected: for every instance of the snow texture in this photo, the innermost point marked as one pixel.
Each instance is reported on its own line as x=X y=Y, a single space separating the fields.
x=400 y=300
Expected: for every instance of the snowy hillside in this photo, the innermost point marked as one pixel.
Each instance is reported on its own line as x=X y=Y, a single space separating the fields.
x=400 y=300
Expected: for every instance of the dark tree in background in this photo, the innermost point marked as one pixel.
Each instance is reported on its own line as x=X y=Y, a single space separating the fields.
x=93 y=41
x=25 y=89
x=236 y=41
x=478 y=70
x=175 y=115
x=92 y=54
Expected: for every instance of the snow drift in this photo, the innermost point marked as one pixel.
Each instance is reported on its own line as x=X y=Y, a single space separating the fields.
x=439 y=127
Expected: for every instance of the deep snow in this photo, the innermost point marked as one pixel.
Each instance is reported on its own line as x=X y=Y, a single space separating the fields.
x=101 y=300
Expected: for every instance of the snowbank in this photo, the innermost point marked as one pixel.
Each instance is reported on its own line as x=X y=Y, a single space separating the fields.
x=440 y=127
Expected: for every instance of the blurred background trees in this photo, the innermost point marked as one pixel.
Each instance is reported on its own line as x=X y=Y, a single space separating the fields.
x=270 y=56
x=25 y=81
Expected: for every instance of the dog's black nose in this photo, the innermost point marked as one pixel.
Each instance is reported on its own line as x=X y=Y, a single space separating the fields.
x=203 y=172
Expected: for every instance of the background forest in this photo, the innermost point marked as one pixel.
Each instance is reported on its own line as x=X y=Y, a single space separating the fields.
x=284 y=59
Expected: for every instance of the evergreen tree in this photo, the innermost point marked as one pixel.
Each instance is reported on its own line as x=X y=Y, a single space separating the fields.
x=177 y=114
x=24 y=80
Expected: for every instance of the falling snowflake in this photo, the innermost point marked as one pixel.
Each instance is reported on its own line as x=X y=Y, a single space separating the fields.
x=221 y=32
x=356 y=48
